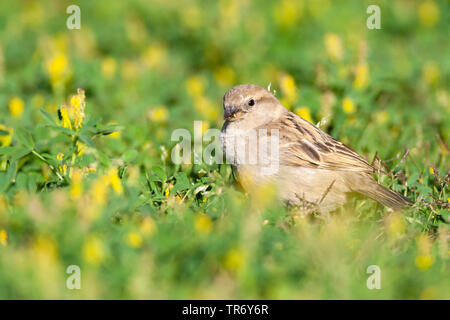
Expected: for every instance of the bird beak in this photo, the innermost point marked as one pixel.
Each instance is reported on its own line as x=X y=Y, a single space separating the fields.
x=230 y=111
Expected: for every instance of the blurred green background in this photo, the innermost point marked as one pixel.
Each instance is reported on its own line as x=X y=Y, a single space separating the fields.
x=94 y=186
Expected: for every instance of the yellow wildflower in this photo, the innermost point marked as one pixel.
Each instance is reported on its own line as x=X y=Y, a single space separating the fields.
x=431 y=170
x=192 y=16
x=109 y=67
x=155 y=55
x=224 y=76
x=65 y=120
x=16 y=107
x=5 y=138
x=289 y=89
x=382 y=116
x=288 y=12
x=130 y=70
x=234 y=260
x=334 y=47
x=148 y=226
x=159 y=114
x=99 y=190
x=424 y=262
x=429 y=293
x=348 y=106
x=206 y=107
x=195 y=86
x=78 y=104
x=167 y=191
x=93 y=250
x=304 y=113
x=57 y=65
x=115 y=181
x=430 y=73
x=3 y=237
x=429 y=13
x=77 y=186
x=134 y=239
x=203 y=224
x=81 y=148
x=62 y=167
x=361 y=75
x=396 y=225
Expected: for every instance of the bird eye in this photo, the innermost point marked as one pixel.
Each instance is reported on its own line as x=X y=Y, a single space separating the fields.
x=251 y=102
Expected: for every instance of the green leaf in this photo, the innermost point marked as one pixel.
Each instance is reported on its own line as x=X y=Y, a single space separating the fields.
x=48 y=118
x=20 y=153
x=6 y=150
x=24 y=137
x=182 y=182
x=4 y=133
x=63 y=130
x=130 y=155
x=158 y=174
x=86 y=139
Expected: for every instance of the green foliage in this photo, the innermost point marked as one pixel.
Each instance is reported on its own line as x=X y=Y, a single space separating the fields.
x=89 y=181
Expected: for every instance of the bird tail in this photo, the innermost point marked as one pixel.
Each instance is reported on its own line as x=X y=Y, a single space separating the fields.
x=386 y=197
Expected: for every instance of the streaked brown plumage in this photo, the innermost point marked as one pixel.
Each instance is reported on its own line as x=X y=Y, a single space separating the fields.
x=314 y=168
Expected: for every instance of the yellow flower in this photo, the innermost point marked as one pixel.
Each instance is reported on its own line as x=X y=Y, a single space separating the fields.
x=77 y=186
x=203 y=224
x=334 y=47
x=5 y=140
x=424 y=262
x=167 y=191
x=206 y=108
x=56 y=66
x=287 y=13
x=431 y=170
x=192 y=16
x=109 y=67
x=430 y=73
x=78 y=105
x=429 y=13
x=155 y=55
x=16 y=107
x=195 y=86
x=304 y=113
x=361 y=75
x=234 y=260
x=81 y=147
x=3 y=237
x=62 y=167
x=148 y=226
x=348 y=106
x=159 y=114
x=289 y=89
x=382 y=116
x=224 y=76
x=134 y=239
x=65 y=121
x=115 y=181
x=396 y=225
x=99 y=190
x=429 y=294
x=130 y=70
x=93 y=250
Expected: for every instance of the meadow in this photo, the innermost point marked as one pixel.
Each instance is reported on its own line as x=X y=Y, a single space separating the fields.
x=86 y=177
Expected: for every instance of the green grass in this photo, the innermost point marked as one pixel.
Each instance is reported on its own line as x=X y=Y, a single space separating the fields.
x=139 y=226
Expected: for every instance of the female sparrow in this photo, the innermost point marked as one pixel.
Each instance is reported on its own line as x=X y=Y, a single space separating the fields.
x=312 y=169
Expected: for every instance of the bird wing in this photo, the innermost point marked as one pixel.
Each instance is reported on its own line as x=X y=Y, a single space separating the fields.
x=303 y=144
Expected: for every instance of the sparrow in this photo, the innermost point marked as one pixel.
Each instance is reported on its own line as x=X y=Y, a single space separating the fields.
x=314 y=171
